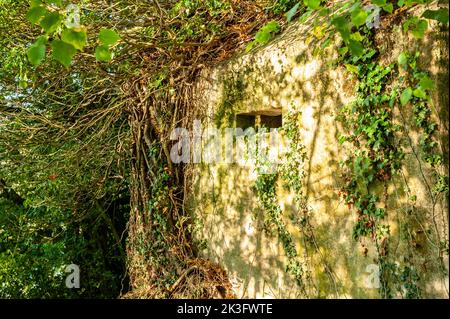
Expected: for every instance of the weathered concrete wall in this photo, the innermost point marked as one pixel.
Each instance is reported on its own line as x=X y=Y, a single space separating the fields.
x=286 y=74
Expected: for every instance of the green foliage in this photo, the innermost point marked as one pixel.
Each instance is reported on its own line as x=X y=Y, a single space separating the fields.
x=35 y=14
x=63 y=52
x=36 y=52
x=77 y=38
x=416 y=25
x=264 y=34
x=37 y=243
x=102 y=53
x=440 y=15
x=406 y=96
x=51 y=22
x=108 y=36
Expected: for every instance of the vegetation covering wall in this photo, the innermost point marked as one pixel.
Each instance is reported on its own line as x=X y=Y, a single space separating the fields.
x=360 y=192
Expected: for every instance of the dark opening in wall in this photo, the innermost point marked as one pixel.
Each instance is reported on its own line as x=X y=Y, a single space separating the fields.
x=269 y=118
x=271 y=121
x=245 y=121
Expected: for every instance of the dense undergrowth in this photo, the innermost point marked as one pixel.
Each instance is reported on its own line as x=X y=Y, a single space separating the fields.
x=86 y=113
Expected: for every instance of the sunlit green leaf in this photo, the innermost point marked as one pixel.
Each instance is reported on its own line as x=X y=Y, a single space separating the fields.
x=426 y=83
x=420 y=28
x=51 y=22
x=356 y=36
x=388 y=8
x=402 y=59
x=76 y=38
x=419 y=93
x=406 y=96
x=36 y=52
x=359 y=16
x=108 y=36
x=35 y=14
x=352 y=68
x=312 y=4
x=103 y=54
x=63 y=52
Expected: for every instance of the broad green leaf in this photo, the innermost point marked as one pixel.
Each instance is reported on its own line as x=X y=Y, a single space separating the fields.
x=356 y=48
x=419 y=93
x=420 y=28
x=426 y=83
x=103 y=54
x=440 y=15
x=51 y=22
x=379 y=3
x=262 y=37
x=352 y=68
x=388 y=8
x=108 y=36
x=359 y=16
x=35 y=14
x=63 y=52
x=36 y=52
x=402 y=59
x=342 y=27
x=35 y=3
x=406 y=96
x=272 y=26
x=76 y=38
x=356 y=36
x=291 y=13
x=312 y=4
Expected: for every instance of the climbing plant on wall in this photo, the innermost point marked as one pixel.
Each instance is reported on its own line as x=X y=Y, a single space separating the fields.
x=368 y=122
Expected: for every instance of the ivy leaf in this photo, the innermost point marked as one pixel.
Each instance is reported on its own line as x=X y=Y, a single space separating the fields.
x=355 y=48
x=388 y=8
x=271 y=26
x=342 y=27
x=36 y=52
x=108 y=36
x=420 y=28
x=352 y=68
x=76 y=38
x=312 y=4
x=402 y=59
x=103 y=54
x=379 y=3
x=419 y=93
x=51 y=22
x=262 y=37
x=63 y=52
x=264 y=34
x=426 y=83
x=359 y=16
x=291 y=13
x=357 y=36
x=406 y=96
x=35 y=14
x=440 y=15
